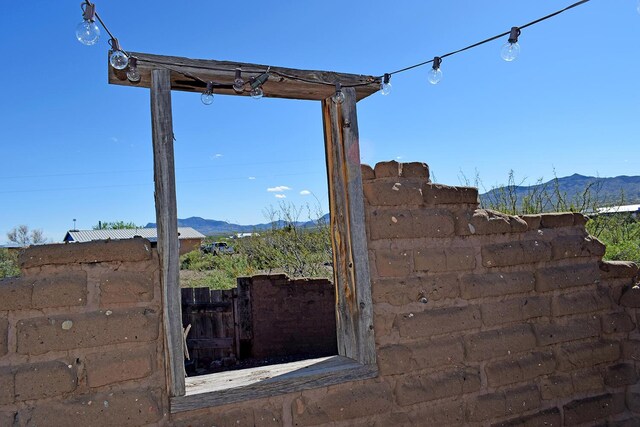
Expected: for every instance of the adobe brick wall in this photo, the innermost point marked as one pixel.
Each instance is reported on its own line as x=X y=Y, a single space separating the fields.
x=481 y=319
x=80 y=337
x=282 y=307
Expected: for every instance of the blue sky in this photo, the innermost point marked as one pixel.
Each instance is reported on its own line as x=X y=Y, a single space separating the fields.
x=74 y=146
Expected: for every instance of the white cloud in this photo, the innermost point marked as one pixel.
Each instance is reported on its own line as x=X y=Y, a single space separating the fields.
x=252 y=178
x=280 y=196
x=278 y=189
x=114 y=139
x=216 y=156
x=305 y=192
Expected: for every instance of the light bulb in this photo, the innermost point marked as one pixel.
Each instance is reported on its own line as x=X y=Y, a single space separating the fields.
x=511 y=49
x=207 y=95
x=132 y=73
x=206 y=98
x=385 y=86
x=257 y=92
x=338 y=97
x=435 y=74
x=238 y=83
x=87 y=32
x=118 y=59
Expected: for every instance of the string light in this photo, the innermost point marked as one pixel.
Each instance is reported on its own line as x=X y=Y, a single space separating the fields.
x=385 y=86
x=256 y=85
x=207 y=95
x=435 y=75
x=338 y=97
x=132 y=73
x=238 y=83
x=511 y=49
x=87 y=32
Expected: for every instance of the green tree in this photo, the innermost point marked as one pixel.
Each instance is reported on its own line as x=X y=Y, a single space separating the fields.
x=115 y=225
x=25 y=237
x=8 y=263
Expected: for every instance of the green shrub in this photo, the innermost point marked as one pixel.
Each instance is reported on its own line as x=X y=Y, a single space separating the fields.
x=8 y=263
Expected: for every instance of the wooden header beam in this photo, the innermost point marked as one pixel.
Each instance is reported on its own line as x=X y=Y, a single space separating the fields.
x=283 y=82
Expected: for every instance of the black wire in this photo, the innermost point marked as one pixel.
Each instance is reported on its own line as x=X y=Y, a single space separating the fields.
x=490 y=39
x=377 y=79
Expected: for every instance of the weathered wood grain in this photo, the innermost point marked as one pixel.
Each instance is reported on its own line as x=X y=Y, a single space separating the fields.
x=248 y=384
x=167 y=220
x=311 y=85
x=354 y=312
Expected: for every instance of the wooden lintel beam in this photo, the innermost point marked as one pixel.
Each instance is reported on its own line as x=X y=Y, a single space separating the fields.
x=189 y=74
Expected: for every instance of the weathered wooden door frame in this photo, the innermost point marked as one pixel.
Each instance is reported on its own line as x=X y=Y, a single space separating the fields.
x=354 y=311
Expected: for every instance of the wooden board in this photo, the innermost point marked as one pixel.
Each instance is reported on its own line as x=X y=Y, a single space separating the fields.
x=236 y=386
x=167 y=220
x=283 y=82
x=354 y=312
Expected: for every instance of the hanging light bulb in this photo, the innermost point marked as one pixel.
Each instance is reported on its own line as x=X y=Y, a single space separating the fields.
x=238 y=83
x=385 y=86
x=435 y=75
x=87 y=32
x=118 y=59
x=132 y=73
x=338 y=97
x=256 y=85
x=511 y=49
x=207 y=95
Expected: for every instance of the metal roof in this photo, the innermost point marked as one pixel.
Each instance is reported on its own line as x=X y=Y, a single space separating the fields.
x=619 y=209
x=147 y=233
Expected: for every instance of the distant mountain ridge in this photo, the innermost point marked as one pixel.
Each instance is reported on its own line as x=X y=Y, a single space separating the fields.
x=607 y=191
x=212 y=227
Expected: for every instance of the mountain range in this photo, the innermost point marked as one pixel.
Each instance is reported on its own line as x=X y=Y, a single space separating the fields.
x=607 y=191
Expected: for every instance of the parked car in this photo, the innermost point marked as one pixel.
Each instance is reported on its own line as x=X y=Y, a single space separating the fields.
x=217 y=248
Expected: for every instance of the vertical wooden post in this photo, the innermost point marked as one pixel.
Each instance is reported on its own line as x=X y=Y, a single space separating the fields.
x=354 y=313
x=167 y=222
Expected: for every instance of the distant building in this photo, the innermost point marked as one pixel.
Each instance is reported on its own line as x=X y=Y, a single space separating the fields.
x=189 y=238
x=634 y=210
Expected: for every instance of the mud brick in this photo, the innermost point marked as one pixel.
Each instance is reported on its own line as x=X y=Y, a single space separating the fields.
x=495 y=284
x=437 y=321
x=515 y=310
x=415 y=170
x=401 y=291
x=484 y=221
x=42 y=380
x=618 y=269
x=556 y=220
x=43 y=334
x=445 y=259
x=60 y=290
x=620 y=375
x=556 y=387
x=393 y=263
x=502 y=403
x=437 y=194
x=82 y=253
x=515 y=253
x=631 y=350
x=520 y=368
x=631 y=297
x=117 y=366
x=617 y=322
x=577 y=246
x=591 y=409
x=6 y=386
x=584 y=301
x=433 y=223
x=417 y=388
x=15 y=294
x=131 y=408
x=499 y=343
x=549 y=417
x=533 y=221
x=561 y=277
x=367 y=172
x=587 y=380
x=344 y=402
x=386 y=192
x=398 y=359
x=4 y=331
x=563 y=330
x=126 y=286
x=580 y=355
x=390 y=169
